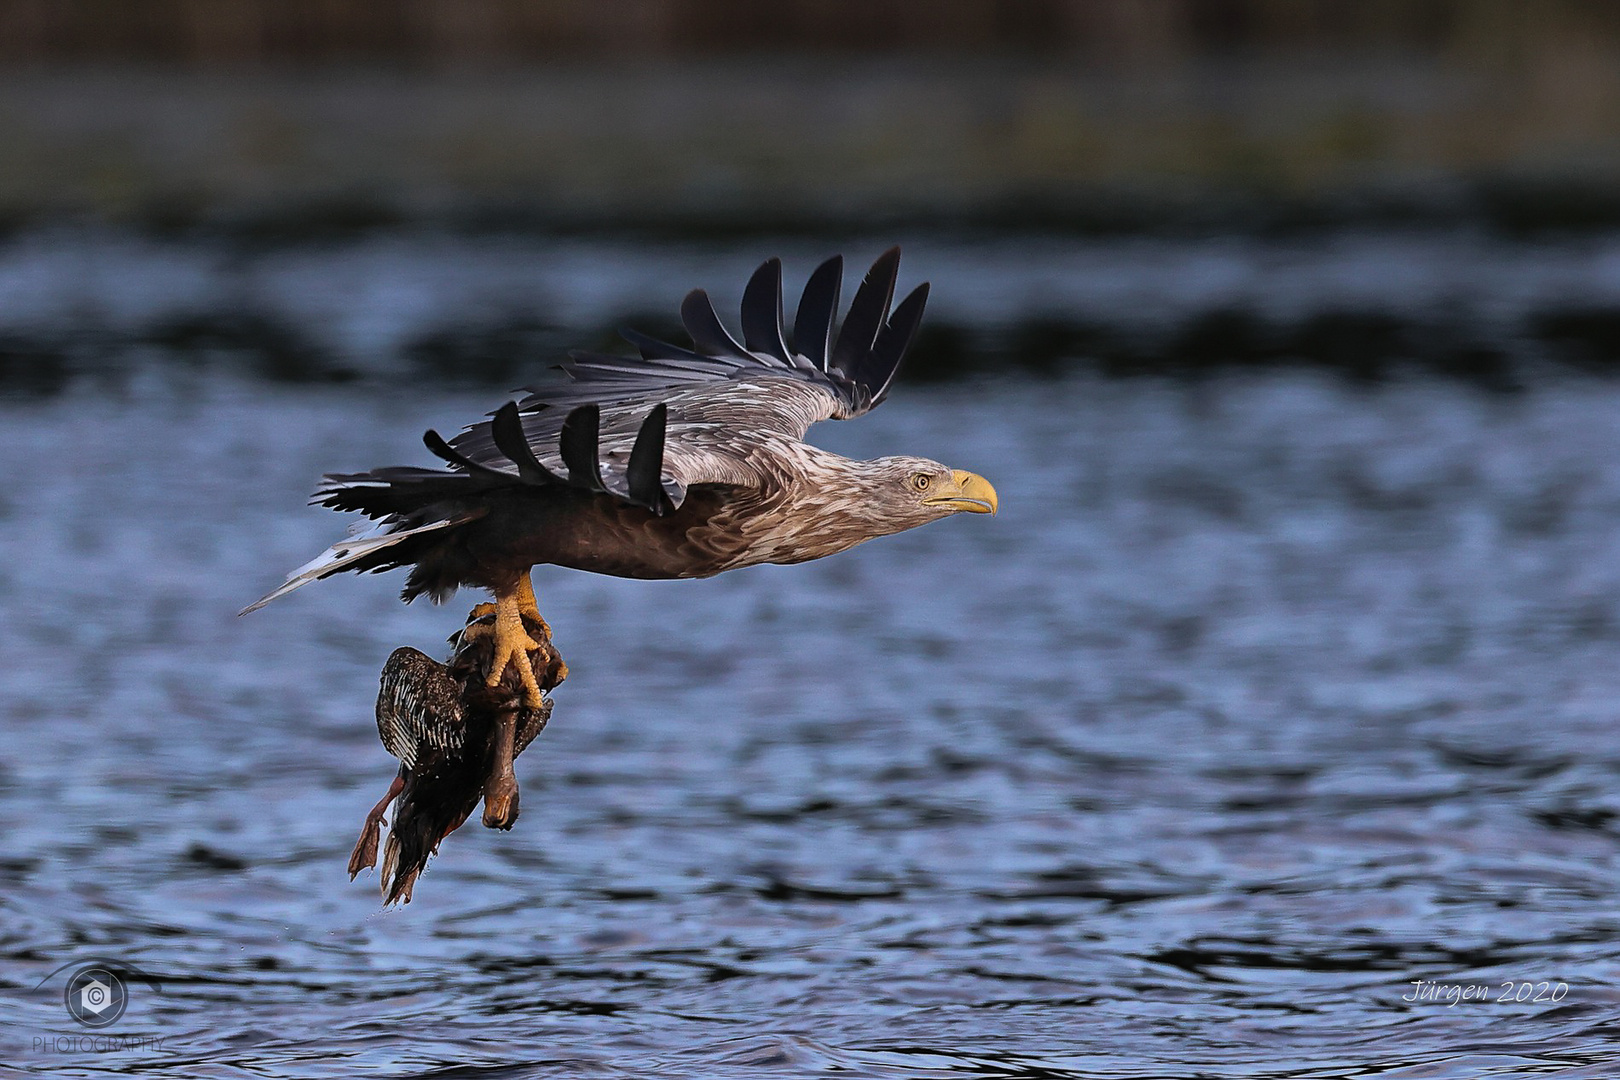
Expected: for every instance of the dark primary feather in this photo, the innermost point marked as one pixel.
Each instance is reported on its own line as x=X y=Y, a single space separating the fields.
x=867 y=313
x=708 y=333
x=877 y=369
x=444 y=451
x=671 y=357
x=507 y=430
x=762 y=312
x=645 y=472
x=581 y=433
x=812 y=326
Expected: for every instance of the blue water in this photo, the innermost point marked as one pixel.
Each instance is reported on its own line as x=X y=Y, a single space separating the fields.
x=1263 y=697
x=493 y=308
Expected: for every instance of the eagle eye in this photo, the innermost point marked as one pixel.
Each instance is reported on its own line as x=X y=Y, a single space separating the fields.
x=920 y=481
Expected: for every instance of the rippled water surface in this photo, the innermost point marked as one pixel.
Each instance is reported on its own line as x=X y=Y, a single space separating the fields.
x=1261 y=699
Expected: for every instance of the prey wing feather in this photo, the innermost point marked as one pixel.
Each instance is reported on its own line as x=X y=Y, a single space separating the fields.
x=418 y=707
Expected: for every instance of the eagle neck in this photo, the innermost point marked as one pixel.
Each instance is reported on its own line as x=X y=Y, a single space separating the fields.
x=826 y=503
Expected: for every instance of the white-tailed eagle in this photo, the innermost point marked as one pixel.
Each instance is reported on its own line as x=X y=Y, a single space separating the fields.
x=679 y=463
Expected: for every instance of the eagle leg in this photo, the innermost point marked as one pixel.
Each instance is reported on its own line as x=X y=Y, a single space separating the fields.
x=512 y=640
x=365 y=849
x=527 y=607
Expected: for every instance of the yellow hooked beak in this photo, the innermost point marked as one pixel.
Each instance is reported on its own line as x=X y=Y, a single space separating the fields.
x=973 y=494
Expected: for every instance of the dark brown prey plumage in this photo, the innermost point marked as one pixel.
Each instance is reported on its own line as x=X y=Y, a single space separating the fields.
x=679 y=463
x=455 y=738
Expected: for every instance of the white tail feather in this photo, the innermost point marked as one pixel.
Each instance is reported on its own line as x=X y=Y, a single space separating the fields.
x=349 y=551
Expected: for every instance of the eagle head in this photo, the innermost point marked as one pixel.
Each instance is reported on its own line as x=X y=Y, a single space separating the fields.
x=898 y=493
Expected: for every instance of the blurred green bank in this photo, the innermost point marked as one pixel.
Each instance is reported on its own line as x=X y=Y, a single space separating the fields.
x=706 y=117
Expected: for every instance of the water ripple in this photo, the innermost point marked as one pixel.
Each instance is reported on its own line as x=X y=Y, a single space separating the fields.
x=1264 y=699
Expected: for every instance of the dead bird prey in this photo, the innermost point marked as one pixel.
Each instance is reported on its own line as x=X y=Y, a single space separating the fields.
x=681 y=463
x=455 y=738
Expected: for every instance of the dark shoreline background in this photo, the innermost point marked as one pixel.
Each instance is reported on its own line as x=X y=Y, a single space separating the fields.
x=275 y=119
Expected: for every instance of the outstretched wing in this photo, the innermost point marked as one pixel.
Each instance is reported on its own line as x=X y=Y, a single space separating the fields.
x=708 y=408
x=646 y=428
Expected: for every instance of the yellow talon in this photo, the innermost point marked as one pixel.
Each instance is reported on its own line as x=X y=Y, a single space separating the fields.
x=512 y=640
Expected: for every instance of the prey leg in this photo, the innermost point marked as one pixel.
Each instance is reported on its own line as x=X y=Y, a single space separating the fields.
x=365 y=849
x=501 y=788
